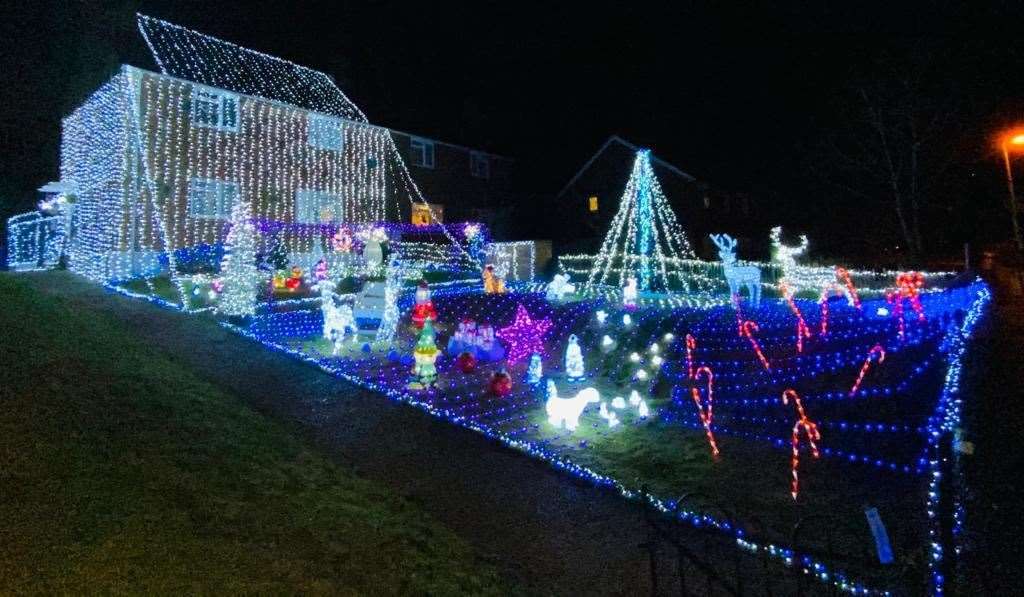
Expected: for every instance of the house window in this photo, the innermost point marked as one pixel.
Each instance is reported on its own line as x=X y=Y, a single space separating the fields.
x=316 y=207
x=479 y=165
x=211 y=199
x=324 y=132
x=592 y=203
x=422 y=152
x=216 y=109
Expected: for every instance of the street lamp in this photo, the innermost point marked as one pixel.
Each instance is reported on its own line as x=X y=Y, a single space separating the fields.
x=1013 y=141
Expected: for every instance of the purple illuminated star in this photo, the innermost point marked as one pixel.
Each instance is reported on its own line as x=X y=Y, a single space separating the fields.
x=525 y=336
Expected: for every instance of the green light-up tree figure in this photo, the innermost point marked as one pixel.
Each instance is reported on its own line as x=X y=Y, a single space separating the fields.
x=644 y=239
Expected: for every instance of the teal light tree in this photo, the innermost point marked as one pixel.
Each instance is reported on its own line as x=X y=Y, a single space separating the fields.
x=644 y=240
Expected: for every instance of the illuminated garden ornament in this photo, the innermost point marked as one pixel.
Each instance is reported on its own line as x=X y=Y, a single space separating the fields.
x=559 y=287
x=629 y=293
x=643 y=235
x=565 y=412
x=738 y=276
x=425 y=354
x=574 y=369
x=536 y=369
x=524 y=336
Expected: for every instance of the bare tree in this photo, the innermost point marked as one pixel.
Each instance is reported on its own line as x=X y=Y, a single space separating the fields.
x=895 y=138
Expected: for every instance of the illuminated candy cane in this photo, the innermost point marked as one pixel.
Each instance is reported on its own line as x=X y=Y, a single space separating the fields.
x=691 y=345
x=706 y=414
x=844 y=275
x=876 y=349
x=739 y=318
x=810 y=430
x=747 y=329
x=802 y=331
x=823 y=303
x=894 y=299
x=910 y=284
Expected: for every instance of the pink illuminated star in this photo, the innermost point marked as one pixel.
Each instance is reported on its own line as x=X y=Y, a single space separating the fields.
x=525 y=336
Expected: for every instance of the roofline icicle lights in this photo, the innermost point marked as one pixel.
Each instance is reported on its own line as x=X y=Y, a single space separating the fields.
x=644 y=236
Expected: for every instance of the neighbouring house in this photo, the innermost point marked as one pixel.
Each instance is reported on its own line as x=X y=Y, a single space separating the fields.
x=159 y=160
x=593 y=196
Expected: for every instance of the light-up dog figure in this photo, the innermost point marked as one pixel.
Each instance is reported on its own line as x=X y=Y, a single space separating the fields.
x=565 y=412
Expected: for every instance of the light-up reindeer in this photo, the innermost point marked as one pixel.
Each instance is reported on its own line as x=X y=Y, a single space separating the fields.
x=738 y=276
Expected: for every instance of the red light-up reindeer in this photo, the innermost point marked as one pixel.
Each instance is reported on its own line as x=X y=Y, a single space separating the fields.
x=738 y=276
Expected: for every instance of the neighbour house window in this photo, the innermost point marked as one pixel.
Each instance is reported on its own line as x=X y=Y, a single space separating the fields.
x=211 y=199
x=422 y=152
x=479 y=165
x=316 y=207
x=214 y=108
x=324 y=132
x=592 y=203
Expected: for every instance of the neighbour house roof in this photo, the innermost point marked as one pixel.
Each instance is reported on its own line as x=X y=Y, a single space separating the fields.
x=187 y=54
x=613 y=140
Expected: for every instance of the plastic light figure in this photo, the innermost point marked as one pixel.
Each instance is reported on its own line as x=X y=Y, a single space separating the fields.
x=601 y=316
x=565 y=412
x=492 y=283
x=627 y=320
x=535 y=371
x=525 y=336
x=424 y=308
x=574 y=360
x=559 y=287
x=425 y=354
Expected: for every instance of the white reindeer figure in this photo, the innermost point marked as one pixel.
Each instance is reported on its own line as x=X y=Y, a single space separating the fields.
x=738 y=275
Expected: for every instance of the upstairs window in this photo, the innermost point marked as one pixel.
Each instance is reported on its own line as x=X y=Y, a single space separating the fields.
x=324 y=132
x=422 y=152
x=211 y=199
x=592 y=203
x=479 y=165
x=215 y=109
x=316 y=207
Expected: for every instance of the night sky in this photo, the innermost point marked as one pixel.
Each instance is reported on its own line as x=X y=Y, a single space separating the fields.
x=741 y=98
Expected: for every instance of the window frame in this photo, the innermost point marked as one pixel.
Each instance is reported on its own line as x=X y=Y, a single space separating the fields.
x=476 y=158
x=314 y=136
x=321 y=196
x=419 y=155
x=224 y=206
x=220 y=99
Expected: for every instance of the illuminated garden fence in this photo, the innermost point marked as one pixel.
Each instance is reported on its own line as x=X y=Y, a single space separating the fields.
x=35 y=241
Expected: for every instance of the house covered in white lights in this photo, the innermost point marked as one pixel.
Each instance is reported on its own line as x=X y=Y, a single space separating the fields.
x=159 y=160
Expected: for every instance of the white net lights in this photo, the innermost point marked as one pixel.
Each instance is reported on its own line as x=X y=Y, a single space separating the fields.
x=644 y=239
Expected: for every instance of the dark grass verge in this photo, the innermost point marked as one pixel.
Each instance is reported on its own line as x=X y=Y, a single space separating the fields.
x=123 y=471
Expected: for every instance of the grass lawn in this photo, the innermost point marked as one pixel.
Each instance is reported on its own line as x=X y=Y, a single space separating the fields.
x=122 y=471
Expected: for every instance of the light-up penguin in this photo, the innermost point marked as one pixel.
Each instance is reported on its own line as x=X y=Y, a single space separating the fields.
x=574 y=370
